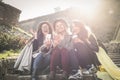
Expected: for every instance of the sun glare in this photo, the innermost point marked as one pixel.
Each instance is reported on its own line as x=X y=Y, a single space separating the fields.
x=89 y=8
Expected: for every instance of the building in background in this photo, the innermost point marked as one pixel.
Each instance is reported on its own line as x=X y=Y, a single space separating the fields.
x=104 y=25
x=8 y=15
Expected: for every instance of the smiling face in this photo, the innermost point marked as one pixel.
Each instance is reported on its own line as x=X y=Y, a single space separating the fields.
x=45 y=29
x=59 y=27
x=75 y=29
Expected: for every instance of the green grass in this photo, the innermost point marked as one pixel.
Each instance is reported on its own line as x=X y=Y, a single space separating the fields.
x=9 y=53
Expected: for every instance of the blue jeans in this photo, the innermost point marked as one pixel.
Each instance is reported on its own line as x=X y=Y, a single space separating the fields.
x=40 y=63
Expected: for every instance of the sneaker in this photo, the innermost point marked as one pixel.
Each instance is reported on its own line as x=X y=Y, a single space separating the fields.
x=92 y=69
x=76 y=76
x=86 y=72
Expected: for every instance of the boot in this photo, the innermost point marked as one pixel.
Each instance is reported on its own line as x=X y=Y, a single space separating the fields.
x=52 y=75
x=64 y=76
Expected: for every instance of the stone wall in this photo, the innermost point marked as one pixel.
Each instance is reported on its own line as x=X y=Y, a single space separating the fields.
x=6 y=67
x=9 y=15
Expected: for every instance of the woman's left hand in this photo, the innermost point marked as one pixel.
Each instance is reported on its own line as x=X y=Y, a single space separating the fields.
x=47 y=43
x=76 y=40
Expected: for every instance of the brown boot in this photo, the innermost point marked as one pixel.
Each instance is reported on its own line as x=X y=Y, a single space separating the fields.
x=64 y=76
x=52 y=75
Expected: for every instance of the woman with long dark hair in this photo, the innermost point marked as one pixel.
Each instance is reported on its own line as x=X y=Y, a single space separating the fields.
x=42 y=46
x=85 y=45
x=35 y=56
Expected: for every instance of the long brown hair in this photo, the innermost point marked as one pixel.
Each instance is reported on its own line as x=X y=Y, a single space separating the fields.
x=60 y=20
x=84 y=33
x=40 y=36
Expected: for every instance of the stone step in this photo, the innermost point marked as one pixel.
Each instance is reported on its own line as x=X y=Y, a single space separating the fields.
x=42 y=77
x=23 y=77
x=11 y=77
x=112 y=47
x=114 y=56
x=113 y=53
x=118 y=65
x=115 y=59
x=28 y=77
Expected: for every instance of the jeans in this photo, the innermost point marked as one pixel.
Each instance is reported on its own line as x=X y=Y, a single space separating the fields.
x=40 y=63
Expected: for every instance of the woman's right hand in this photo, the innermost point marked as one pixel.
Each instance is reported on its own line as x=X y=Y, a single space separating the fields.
x=34 y=33
x=56 y=40
x=47 y=43
x=76 y=40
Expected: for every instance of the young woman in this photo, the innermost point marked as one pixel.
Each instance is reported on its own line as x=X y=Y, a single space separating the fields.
x=42 y=45
x=60 y=55
x=85 y=45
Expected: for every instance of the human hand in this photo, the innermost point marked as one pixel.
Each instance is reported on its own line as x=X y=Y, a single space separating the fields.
x=34 y=33
x=56 y=40
x=76 y=40
x=47 y=43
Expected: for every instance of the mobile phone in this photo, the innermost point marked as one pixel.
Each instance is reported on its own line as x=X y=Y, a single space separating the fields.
x=74 y=36
x=48 y=36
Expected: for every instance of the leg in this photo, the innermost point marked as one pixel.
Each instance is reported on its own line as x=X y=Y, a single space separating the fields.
x=46 y=63
x=54 y=62
x=73 y=61
x=36 y=64
x=65 y=63
x=55 y=59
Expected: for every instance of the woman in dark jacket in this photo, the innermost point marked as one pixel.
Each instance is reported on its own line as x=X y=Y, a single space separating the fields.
x=85 y=45
x=42 y=47
x=35 y=56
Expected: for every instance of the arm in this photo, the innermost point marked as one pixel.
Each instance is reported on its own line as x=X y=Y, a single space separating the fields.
x=35 y=45
x=93 y=44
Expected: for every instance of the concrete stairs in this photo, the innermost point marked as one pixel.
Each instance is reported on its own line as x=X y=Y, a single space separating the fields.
x=23 y=77
x=115 y=58
x=114 y=52
x=41 y=77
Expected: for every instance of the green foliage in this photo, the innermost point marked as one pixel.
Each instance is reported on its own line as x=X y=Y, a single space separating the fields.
x=8 y=40
x=9 y=53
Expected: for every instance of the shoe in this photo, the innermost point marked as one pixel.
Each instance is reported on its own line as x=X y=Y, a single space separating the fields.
x=92 y=69
x=86 y=72
x=33 y=79
x=64 y=76
x=74 y=72
x=52 y=75
x=76 y=76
